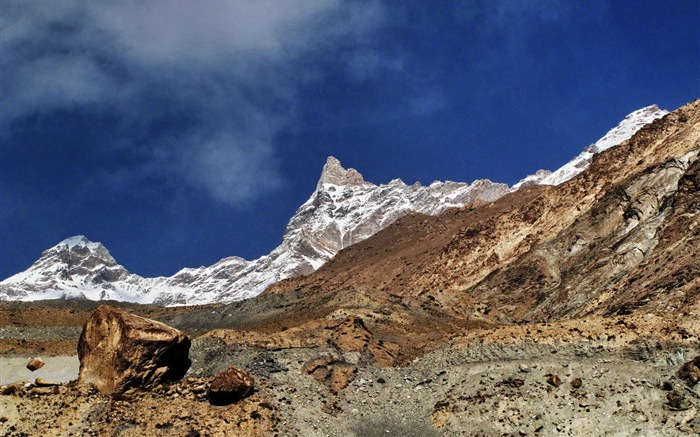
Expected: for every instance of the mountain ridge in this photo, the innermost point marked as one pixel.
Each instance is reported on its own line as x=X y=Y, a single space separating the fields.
x=620 y=236
x=343 y=210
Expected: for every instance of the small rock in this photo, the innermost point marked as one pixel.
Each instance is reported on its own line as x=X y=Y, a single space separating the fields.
x=576 y=383
x=554 y=380
x=40 y=382
x=13 y=389
x=230 y=386
x=524 y=368
x=35 y=363
x=667 y=386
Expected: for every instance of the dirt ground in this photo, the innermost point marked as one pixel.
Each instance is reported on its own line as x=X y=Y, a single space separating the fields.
x=614 y=376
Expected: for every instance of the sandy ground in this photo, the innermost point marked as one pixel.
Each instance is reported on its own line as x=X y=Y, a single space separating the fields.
x=55 y=369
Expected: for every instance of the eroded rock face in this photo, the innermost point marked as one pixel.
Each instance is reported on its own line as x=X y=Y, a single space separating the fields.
x=230 y=386
x=119 y=351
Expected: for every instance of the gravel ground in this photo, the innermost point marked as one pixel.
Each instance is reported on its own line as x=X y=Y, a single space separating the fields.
x=452 y=392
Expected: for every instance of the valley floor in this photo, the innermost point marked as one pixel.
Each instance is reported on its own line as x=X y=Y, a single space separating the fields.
x=597 y=376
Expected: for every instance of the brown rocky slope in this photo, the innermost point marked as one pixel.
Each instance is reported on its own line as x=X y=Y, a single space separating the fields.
x=622 y=235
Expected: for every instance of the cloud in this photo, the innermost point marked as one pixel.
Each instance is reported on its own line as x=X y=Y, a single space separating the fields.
x=199 y=89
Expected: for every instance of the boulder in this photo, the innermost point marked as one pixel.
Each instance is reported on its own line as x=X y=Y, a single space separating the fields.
x=230 y=386
x=119 y=351
x=35 y=364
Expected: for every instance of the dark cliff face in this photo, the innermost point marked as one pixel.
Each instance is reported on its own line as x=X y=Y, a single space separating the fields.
x=620 y=236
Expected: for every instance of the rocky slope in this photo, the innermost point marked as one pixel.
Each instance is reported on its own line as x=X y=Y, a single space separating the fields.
x=619 y=236
x=343 y=210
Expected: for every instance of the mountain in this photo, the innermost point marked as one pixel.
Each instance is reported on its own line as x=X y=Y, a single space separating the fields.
x=623 y=131
x=343 y=210
x=620 y=236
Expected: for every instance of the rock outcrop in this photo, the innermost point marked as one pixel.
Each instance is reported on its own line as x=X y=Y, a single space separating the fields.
x=119 y=351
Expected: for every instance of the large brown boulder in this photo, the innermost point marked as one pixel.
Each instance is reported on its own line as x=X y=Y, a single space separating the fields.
x=119 y=351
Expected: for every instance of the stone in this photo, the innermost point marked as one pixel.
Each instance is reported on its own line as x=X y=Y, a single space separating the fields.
x=314 y=364
x=45 y=390
x=576 y=383
x=119 y=351
x=40 y=382
x=18 y=388
x=554 y=380
x=34 y=364
x=690 y=371
x=230 y=386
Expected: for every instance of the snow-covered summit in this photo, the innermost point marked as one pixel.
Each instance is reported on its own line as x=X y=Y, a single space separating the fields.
x=623 y=131
x=78 y=240
x=343 y=209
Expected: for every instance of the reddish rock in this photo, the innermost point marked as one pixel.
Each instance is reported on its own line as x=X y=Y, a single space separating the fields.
x=341 y=376
x=554 y=380
x=576 y=383
x=230 y=386
x=119 y=351
x=34 y=364
x=336 y=375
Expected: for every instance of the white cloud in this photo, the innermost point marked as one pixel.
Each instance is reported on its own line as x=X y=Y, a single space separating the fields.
x=231 y=69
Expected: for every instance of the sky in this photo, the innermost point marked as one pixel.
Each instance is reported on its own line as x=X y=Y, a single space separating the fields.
x=181 y=132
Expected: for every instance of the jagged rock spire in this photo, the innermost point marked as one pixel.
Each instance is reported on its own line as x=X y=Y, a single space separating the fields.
x=334 y=173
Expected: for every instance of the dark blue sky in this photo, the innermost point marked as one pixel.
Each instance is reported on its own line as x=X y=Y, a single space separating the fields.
x=179 y=133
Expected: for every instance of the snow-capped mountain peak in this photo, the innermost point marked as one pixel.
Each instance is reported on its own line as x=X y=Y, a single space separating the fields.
x=78 y=240
x=343 y=210
x=623 y=131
